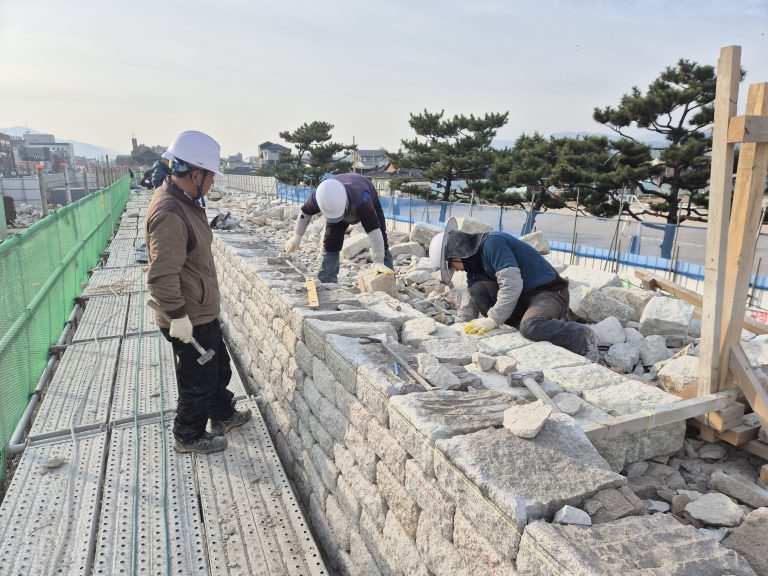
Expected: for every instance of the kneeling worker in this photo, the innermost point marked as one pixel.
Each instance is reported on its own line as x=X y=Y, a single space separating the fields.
x=344 y=199
x=509 y=282
x=181 y=278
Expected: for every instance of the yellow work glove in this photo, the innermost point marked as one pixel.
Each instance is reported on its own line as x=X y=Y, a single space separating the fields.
x=379 y=268
x=293 y=244
x=480 y=326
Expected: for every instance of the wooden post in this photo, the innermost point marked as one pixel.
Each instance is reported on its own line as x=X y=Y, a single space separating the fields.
x=744 y=226
x=720 y=190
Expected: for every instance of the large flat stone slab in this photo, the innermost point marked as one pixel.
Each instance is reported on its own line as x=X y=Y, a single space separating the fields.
x=628 y=397
x=545 y=356
x=529 y=479
x=577 y=379
x=503 y=343
x=634 y=546
x=452 y=350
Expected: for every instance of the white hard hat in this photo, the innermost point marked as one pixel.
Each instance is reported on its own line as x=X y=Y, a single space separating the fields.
x=332 y=199
x=197 y=149
x=437 y=251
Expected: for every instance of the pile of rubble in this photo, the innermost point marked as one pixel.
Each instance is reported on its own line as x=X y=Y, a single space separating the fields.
x=648 y=345
x=26 y=215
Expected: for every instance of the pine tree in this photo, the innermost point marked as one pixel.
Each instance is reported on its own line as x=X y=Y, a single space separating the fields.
x=315 y=155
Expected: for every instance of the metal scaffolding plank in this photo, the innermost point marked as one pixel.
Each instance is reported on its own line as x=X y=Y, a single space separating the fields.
x=141 y=318
x=115 y=281
x=133 y=233
x=79 y=392
x=146 y=362
x=48 y=516
x=104 y=317
x=253 y=523
x=120 y=244
x=150 y=521
x=122 y=257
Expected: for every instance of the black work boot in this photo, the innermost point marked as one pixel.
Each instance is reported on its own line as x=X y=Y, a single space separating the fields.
x=221 y=427
x=206 y=444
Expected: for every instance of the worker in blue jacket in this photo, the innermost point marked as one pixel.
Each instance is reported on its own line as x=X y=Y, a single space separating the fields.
x=344 y=199
x=509 y=282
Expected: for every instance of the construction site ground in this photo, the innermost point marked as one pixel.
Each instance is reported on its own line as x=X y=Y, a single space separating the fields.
x=99 y=488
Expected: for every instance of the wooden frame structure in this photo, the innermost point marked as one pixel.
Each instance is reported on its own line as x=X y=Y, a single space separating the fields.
x=731 y=233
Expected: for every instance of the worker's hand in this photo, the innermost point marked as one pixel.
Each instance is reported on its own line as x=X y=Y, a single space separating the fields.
x=480 y=326
x=181 y=328
x=293 y=244
x=379 y=268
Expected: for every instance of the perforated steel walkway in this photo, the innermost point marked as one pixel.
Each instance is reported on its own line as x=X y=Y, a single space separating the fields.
x=100 y=489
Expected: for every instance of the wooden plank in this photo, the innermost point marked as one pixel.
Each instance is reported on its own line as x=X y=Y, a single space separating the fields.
x=720 y=192
x=748 y=129
x=727 y=418
x=757 y=448
x=755 y=390
x=743 y=229
x=656 y=282
x=658 y=416
x=737 y=436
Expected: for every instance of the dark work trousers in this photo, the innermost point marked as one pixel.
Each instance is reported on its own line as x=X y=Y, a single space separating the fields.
x=202 y=388
x=539 y=315
x=334 y=240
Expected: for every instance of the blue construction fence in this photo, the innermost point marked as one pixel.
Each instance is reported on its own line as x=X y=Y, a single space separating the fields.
x=623 y=242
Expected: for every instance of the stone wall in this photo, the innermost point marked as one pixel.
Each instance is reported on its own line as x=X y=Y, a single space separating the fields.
x=388 y=491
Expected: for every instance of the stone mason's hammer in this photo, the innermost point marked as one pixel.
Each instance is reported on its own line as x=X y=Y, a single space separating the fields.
x=205 y=356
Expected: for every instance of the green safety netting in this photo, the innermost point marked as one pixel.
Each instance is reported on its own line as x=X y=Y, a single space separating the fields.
x=41 y=271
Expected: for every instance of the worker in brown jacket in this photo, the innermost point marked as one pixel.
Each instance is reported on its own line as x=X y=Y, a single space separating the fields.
x=181 y=278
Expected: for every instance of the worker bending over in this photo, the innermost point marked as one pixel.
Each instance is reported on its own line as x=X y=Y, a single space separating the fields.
x=509 y=282
x=344 y=199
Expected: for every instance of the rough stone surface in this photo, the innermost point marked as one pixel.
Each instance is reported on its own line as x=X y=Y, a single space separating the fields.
x=370 y=281
x=423 y=233
x=501 y=466
x=609 y=332
x=472 y=225
x=526 y=420
x=656 y=476
x=570 y=515
x=483 y=361
x=593 y=305
x=453 y=350
x=504 y=364
x=666 y=317
x=622 y=357
x=354 y=245
x=654 y=349
x=545 y=356
x=577 y=379
x=410 y=248
x=538 y=240
x=500 y=344
x=592 y=277
x=635 y=298
x=628 y=397
x=569 y=403
x=751 y=540
x=417 y=330
x=634 y=546
x=679 y=373
x=746 y=492
x=715 y=509
x=437 y=374
x=612 y=504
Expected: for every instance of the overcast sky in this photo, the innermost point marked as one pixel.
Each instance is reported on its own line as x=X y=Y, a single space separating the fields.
x=100 y=72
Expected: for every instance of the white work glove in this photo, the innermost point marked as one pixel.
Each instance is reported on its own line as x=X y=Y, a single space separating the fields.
x=293 y=244
x=379 y=268
x=480 y=326
x=181 y=328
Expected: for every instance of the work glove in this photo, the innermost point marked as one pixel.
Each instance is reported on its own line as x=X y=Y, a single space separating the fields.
x=293 y=244
x=379 y=268
x=480 y=326
x=181 y=328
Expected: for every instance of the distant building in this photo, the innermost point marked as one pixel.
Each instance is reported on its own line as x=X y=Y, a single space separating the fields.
x=368 y=159
x=43 y=149
x=141 y=155
x=7 y=160
x=269 y=153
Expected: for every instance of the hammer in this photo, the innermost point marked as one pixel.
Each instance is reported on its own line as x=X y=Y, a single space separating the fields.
x=205 y=356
